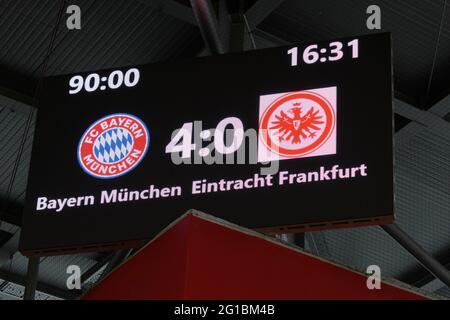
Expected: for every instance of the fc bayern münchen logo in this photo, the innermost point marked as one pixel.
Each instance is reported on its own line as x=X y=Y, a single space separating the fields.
x=113 y=145
x=297 y=124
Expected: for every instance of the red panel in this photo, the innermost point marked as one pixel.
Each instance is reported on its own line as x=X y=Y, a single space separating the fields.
x=155 y=272
x=228 y=264
x=201 y=259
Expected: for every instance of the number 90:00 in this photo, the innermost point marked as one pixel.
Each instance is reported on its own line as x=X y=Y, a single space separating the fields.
x=115 y=80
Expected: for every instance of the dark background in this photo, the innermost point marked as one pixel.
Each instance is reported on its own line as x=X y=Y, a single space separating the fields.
x=210 y=89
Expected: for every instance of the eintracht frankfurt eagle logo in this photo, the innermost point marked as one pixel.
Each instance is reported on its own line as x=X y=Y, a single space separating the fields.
x=113 y=145
x=297 y=124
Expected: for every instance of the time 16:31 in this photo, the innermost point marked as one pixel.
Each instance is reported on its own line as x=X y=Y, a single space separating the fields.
x=333 y=52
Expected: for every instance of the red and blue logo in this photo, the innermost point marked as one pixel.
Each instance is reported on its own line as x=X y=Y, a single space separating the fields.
x=113 y=146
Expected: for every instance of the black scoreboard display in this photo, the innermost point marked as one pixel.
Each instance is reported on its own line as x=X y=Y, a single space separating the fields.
x=279 y=140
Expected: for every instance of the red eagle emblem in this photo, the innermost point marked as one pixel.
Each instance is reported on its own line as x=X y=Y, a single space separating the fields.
x=297 y=127
x=296 y=124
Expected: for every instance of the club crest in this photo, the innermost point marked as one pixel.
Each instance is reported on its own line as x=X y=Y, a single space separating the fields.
x=113 y=145
x=296 y=124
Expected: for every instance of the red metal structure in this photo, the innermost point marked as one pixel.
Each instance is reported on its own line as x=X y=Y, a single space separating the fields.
x=201 y=257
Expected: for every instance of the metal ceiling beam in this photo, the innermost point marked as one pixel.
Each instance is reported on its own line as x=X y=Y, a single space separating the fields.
x=418 y=276
x=424 y=258
x=441 y=108
x=208 y=24
x=255 y=15
x=426 y=118
x=421 y=120
x=261 y=10
x=201 y=14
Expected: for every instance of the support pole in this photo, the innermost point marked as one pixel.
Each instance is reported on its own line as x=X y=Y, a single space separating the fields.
x=207 y=22
x=429 y=263
x=32 y=278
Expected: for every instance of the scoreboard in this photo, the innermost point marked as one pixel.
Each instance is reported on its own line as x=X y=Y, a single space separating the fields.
x=284 y=139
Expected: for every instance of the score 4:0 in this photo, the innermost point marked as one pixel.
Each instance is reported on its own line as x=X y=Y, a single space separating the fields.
x=181 y=141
